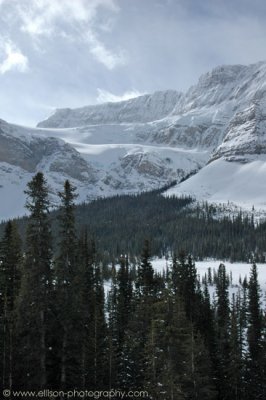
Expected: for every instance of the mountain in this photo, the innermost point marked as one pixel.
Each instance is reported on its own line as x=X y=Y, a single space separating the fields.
x=145 y=108
x=215 y=132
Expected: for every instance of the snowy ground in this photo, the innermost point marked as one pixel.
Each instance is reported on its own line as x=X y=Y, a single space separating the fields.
x=222 y=181
x=236 y=270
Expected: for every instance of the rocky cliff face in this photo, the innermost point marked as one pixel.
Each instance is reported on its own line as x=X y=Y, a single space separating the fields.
x=23 y=153
x=29 y=151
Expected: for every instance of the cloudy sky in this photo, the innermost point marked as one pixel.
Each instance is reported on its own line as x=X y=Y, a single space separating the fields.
x=70 y=53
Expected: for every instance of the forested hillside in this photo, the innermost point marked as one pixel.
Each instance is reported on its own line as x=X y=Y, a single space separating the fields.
x=120 y=224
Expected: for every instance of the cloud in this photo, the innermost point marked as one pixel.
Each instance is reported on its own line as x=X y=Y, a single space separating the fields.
x=42 y=17
x=109 y=59
x=73 y=20
x=105 y=97
x=13 y=59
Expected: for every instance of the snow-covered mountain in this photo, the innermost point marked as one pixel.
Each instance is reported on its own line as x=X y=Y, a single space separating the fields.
x=146 y=108
x=217 y=128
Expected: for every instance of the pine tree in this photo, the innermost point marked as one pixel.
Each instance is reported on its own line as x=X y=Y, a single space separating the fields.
x=119 y=311
x=67 y=298
x=138 y=327
x=185 y=283
x=99 y=332
x=236 y=367
x=254 y=337
x=113 y=335
x=87 y=303
x=177 y=365
x=145 y=272
x=223 y=324
x=124 y=298
x=10 y=271
x=34 y=307
x=207 y=329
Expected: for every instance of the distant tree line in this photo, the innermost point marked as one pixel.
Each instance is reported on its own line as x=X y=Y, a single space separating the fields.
x=120 y=224
x=60 y=329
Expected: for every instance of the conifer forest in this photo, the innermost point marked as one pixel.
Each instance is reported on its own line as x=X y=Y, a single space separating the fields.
x=160 y=333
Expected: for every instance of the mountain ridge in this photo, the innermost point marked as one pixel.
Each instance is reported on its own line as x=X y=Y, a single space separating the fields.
x=150 y=141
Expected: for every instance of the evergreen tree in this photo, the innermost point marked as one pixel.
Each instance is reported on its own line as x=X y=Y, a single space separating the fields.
x=133 y=360
x=185 y=283
x=113 y=335
x=223 y=325
x=124 y=298
x=67 y=297
x=177 y=365
x=119 y=311
x=207 y=329
x=87 y=299
x=10 y=271
x=99 y=333
x=254 y=337
x=34 y=302
x=236 y=366
x=145 y=271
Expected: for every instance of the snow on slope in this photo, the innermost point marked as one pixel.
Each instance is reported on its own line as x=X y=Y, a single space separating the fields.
x=125 y=161
x=222 y=181
x=13 y=181
x=98 y=165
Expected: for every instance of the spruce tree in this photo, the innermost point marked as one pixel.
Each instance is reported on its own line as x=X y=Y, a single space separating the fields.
x=177 y=364
x=67 y=299
x=236 y=365
x=223 y=324
x=133 y=360
x=34 y=307
x=99 y=329
x=255 y=358
x=185 y=283
x=113 y=335
x=124 y=298
x=145 y=272
x=87 y=309
x=10 y=272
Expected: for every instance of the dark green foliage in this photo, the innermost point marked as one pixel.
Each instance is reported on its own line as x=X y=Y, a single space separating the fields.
x=145 y=275
x=223 y=324
x=177 y=364
x=236 y=365
x=10 y=272
x=34 y=306
x=121 y=224
x=185 y=283
x=124 y=298
x=255 y=379
x=67 y=293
